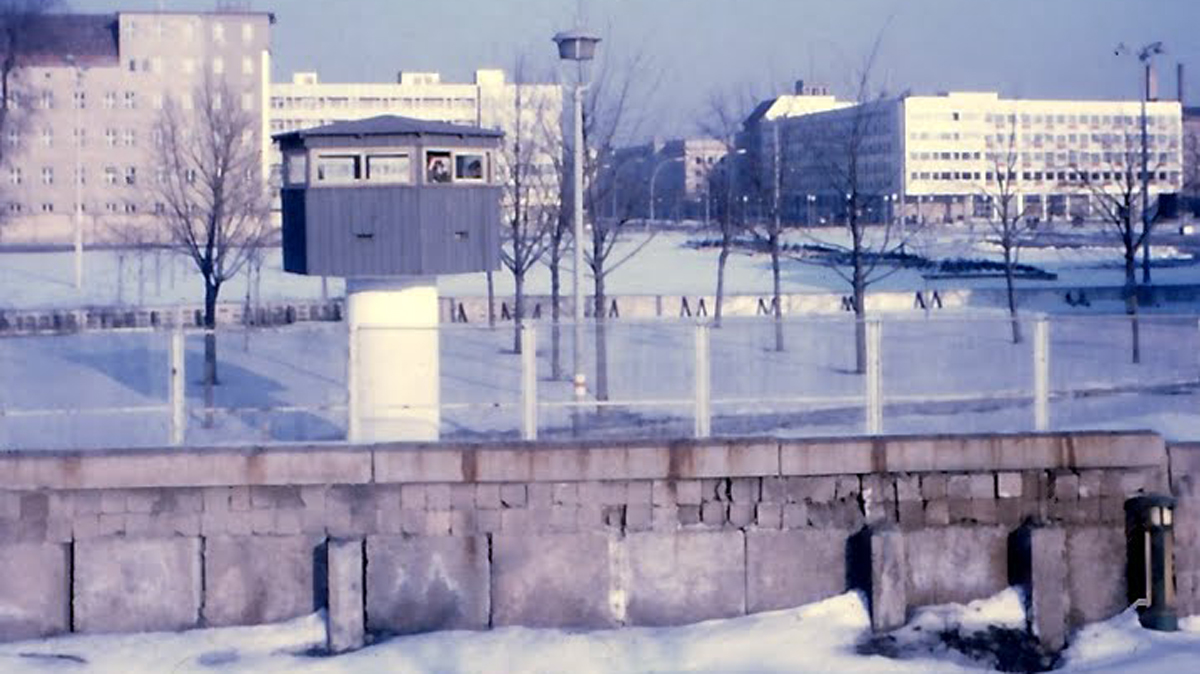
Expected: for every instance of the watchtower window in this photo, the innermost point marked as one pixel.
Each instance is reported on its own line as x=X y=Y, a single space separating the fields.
x=389 y=168
x=437 y=167
x=336 y=168
x=297 y=168
x=468 y=167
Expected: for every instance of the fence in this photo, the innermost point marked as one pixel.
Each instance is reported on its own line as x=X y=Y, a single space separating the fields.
x=141 y=387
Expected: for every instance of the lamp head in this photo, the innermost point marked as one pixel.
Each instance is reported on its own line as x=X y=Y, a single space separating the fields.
x=576 y=45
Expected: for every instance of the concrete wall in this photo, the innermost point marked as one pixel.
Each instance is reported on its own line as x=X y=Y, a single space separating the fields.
x=555 y=534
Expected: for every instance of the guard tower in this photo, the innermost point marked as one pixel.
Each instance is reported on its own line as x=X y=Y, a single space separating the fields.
x=390 y=203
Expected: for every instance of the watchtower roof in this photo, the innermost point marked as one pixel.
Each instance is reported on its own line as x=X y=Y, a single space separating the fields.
x=390 y=125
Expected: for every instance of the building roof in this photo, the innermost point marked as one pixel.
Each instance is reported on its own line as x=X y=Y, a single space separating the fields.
x=390 y=125
x=47 y=39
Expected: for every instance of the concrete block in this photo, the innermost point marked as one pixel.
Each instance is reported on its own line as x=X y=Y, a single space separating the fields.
x=933 y=486
x=567 y=493
x=688 y=492
x=462 y=497
x=689 y=515
x=437 y=497
x=829 y=457
x=551 y=580
x=1009 y=485
x=741 y=514
x=958 y=487
x=785 y=569
x=345 y=619
x=847 y=487
x=34 y=590
x=813 y=489
x=714 y=513
x=137 y=585
x=638 y=492
x=745 y=489
x=983 y=486
x=1065 y=487
x=769 y=516
x=713 y=459
x=908 y=488
x=513 y=495
x=774 y=490
x=419 y=464
x=1095 y=562
x=487 y=496
x=795 y=516
x=955 y=563
x=639 y=517
x=685 y=577
x=251 y=580
x=427 y=584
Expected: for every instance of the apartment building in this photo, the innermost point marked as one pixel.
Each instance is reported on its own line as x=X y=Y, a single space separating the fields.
x=937 y=158
x=490 y=101
x=90 y=90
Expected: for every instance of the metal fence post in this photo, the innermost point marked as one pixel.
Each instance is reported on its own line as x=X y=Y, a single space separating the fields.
x=874 y=377
x=353 y=432
x=529 y=394
x=703 y=383
x=178 y=390
x=1041 y=375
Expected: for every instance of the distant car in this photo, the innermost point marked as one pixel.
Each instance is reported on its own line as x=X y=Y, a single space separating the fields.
x=1187 y=230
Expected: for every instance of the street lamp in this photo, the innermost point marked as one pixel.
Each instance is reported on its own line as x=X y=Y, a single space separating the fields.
x=579 y=46
x=74 y=63
x=1146 y=56
x=811 y=199
x=654 y=176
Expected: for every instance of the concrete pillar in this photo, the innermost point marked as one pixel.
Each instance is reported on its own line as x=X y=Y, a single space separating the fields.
x=393 y=370
x=1037 y=562
x=877 y=563
x=346 y=613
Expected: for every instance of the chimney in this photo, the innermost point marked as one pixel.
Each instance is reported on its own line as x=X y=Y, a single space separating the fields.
x=1151 y=83
x=1179 y=81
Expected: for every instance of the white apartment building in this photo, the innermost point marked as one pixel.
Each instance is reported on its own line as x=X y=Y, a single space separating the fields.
x=490 y=102
x=936 y=158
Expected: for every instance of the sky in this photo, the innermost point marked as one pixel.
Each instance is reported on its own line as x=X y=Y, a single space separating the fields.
x=690 y=51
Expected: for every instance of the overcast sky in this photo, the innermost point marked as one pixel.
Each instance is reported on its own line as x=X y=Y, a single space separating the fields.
x=1027 y=48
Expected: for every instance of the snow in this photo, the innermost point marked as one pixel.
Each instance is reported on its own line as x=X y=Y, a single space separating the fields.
x=823 y=636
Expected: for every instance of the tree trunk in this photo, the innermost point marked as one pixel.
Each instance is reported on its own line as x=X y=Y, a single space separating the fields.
x=777 y=300
x=491 y=300
x=721 y=259
x=1012 y=295
x=859 y=288
x=555 y=338
x=210 y=348
x=601 y=341
x=1131 y=303
x=518 y=308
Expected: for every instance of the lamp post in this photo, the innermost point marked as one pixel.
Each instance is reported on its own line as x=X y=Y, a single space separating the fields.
x=1146 y=57
x=579 y=46
x=654 y=176
x=811 y=199
x=78 y=217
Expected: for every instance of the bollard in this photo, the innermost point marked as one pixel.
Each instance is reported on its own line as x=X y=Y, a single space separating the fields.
x=1149 y=548
x=529 y=417
x=703 y=383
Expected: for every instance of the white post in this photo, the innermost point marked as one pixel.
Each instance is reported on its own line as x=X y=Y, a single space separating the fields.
x=874 y=377
x=529 y=393
x=353 y=434
x=1041 y=375
x=703 y=374
x=78 y=223
x=178 y=391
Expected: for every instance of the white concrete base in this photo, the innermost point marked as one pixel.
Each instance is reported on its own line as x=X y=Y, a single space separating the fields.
x=393 y=369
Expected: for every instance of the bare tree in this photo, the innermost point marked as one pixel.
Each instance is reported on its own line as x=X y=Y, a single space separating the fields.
x=724 y=123
x=214 y=198
x=530 y=201
x=1004 y=218
x=606 y=119
x=1114 y=184
x=842 y=159
x=22 y=28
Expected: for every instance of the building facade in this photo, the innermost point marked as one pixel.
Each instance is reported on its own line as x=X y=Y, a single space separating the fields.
x=662 y=180
x=90 y=90
x=938 y=158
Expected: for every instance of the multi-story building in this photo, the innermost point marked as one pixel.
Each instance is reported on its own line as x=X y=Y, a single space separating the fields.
x=1191 y=157
x=661 y=180
x=490 y=102
x=936 y=158
x=90 y=92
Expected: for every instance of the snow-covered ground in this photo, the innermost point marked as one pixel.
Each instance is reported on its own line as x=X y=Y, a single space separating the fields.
x=827 y=636
x=664 y=267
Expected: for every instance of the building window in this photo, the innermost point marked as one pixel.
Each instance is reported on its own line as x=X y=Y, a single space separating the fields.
x=110 y=137
x=47 y=176
x=14 y=175
x=247 y=65
x=47 y=208
x=247 y=32
x=110 y=175
x=189 y=175
x=110 y=207
x=247 y=101
x=189 y=66
x=14 y=207
x=13 y=137
x=130 y=207
x=156 y=64
x=335 y=168
x=130 y=100
x=133 y=65
x=80 y=99
x=80 y=136
x=437 y=167
x=128 y=138
x=81 y=176
x=130 y=176
x=389 y=168
x=156 y=137
x=110 y=100
x=158 y=101
x=218 y=32
x=47 y=100
x=218 y=66
x=47 y=137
